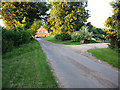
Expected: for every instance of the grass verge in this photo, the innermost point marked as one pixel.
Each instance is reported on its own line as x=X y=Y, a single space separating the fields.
x=106 y=54
x=26 y=67
x=67 y=42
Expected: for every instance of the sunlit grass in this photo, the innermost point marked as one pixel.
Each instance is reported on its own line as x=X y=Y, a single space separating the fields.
x=26 y=67
x=68 y=42
x=106 y=54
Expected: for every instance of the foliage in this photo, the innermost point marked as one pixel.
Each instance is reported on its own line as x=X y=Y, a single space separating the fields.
x=19 y=25
x=82 y=34
x=35 y=26
x=76 y=36
x=11 y=38
x=66 y=17
x=113 y=24
x=63 y=36
x=26 y=67
x=98 y=33
x=0 y=40
x=48 y=27
x=14 y=12
x=51 y=33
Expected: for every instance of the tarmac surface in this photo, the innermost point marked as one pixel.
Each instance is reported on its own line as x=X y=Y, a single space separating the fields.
x=73 y=70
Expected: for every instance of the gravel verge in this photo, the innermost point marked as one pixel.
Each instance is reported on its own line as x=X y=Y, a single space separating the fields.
x=82 y=49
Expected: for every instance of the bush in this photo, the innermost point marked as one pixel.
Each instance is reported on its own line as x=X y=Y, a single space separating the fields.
x=7 y=45
x=76 y=37
x=114 y=42
x=11 y=38
x=98 y=33
x=82 y=34
x=63 y=36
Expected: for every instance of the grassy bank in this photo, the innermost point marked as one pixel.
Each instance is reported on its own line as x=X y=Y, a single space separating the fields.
x=68 y=42
x=107 y=55
x=26 y=67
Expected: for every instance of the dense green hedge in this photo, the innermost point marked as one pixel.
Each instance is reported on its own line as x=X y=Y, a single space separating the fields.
x=11 y=38
x=63 y=36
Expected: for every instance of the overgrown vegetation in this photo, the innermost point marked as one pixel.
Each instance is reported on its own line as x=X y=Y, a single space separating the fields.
x=26 y=67
x=23 y=61
x=63 y=36
x=108 y=55
x=113 y=23
x=98 y=33
x=12 y=39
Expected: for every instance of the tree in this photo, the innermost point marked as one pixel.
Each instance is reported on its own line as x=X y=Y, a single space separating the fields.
x=35 y=26
x=113 y=23
x=66 y=17
x=12 y=12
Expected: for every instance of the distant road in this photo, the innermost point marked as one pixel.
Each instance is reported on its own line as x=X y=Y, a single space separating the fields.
x=74 y=70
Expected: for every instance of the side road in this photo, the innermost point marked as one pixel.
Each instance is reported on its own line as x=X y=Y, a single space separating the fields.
x=74 y=70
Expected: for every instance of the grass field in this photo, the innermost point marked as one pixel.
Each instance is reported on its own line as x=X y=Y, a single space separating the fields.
x=26 y=67
x=107 y=55
x=68 y=42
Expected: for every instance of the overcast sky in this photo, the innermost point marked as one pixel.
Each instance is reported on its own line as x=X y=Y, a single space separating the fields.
x=100 y=10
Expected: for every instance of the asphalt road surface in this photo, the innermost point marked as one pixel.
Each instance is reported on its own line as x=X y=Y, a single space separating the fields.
x=74 y=70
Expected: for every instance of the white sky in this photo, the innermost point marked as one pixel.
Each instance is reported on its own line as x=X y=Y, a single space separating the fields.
x=100 y=10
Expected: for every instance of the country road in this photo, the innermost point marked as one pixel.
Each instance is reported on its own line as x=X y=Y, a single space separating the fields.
x=74 y=70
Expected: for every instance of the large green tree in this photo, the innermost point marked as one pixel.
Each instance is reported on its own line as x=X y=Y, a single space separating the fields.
x=67 y=17
x=113 y=24
x=15 y=12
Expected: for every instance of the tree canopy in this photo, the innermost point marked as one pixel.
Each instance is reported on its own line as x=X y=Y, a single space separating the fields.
x=113 y=23
x=67 y=17
x=15 y=12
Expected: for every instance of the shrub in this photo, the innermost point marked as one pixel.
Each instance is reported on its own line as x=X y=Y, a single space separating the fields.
x=98 y=33
x=22 y=36
x=82 y=34
x=63 y=36
x=114 y=42
x=11 y=38
x=0 y=41
x=7 y=45
x=76 y=37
